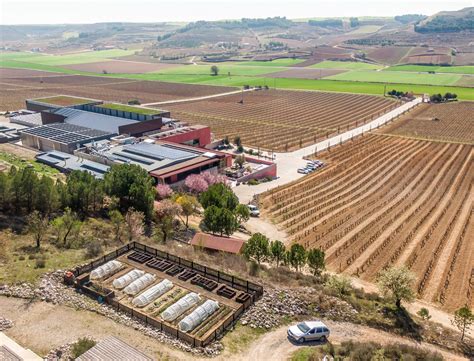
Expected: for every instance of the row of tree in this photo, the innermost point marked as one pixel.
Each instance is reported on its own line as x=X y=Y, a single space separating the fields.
x=438 y=98
x=23 y=191
x=259 y=249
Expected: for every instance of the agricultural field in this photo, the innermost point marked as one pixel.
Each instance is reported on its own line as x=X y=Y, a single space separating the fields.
x=452 y=122
x=347 y=65
x=386 y=200
x=388 y=54
x=282 y=120
x=466 y=69
x=119 y=66
x=399 y=77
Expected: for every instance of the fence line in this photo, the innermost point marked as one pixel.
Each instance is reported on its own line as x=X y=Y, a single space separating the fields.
x=255 y=290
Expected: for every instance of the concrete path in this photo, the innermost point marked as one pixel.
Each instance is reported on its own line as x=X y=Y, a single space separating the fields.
x=199 y=98
x=288 y=163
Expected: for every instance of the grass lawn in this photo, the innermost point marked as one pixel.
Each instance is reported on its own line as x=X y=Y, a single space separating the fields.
x=276 y=62
x=398 y=77
x=129 y=108
x=438 y=69
x=23 y=163
x=349 y=65
x=241 y=337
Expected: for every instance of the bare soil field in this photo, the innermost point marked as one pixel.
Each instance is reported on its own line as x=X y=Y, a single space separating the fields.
x=304 y=73
x=326 y=53
x=452 y=122
x=464 y=59
x=14 y=90
x=282 y=120
x=120 y=66
x=422 y=55
x=388 y=54
x=24 y=73
x=385 y=200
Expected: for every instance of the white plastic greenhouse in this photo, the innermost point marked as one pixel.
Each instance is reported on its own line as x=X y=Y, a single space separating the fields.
x=198 y=315
x=105 y=270
x=179 y=307
x=139 y=284
x=152 y=293
x=128 y=278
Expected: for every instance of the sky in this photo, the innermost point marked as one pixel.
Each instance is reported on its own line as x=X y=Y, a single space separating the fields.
x=92 y=11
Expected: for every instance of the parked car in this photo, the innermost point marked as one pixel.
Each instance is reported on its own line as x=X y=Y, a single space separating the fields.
x=303 y=170
x=254 y=211
x=309 y=331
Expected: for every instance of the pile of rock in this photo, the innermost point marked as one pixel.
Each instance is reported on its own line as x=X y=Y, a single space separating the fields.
x=60 y=353
x=5 y=323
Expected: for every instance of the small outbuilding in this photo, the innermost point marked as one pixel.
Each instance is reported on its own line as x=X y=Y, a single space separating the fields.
x=217 y=243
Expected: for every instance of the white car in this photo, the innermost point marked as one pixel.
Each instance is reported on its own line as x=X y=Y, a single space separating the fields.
x=303 y=171
x=309 y=331
x=254 y=211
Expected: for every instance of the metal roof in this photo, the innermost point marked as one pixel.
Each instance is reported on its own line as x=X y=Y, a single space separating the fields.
x=30 y=120
x=66 y=133
x=69 y=162
x=106 y=123
x=112 y=349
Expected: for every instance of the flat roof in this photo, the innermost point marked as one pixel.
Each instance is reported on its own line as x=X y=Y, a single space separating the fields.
x=131 y=108
x=182 y=167
x=105 y=123
x=151 y=156
x=66 y=133
x=66 y=161
x=65 y=100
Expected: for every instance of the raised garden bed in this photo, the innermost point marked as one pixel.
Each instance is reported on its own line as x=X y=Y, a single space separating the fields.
x=160 y=265
x=226 y=292
x=139 y=257
x=204 y=282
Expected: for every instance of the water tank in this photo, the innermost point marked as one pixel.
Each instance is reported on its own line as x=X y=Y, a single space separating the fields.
x=152 y=293
x=139 y=284
x=105 y=270
x=195 y=318
x=128 y=278
x=180 y=307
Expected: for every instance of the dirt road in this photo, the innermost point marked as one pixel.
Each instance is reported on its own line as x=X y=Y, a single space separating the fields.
x=42 y=326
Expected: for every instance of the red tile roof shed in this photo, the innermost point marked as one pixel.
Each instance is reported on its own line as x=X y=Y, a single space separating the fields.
x=224 y=244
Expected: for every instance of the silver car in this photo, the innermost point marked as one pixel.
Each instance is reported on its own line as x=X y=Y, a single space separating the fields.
x=309 y=331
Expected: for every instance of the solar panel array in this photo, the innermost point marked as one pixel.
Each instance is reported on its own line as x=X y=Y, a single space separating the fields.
x=66 y=133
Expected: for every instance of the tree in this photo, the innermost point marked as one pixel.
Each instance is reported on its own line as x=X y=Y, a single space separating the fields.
x=83 y=192
x=315 y=259
x=220 y=220
x=37 y=224
x=297 y=256
x=189 y=206
x=133 y=187
x=340 y=284
x=135 y=224
x=242 y=214
x=237 y=141
x=29 y=187
x=165 y=213
x=214 y=70
x=47 y=199
x=424 y=313
x=463 y=320
x=196 y=183
x=117 y=222
x=257 y=248
x=65 y=226
x=219 y=195
x=277 y=251
x=226 y=140
x=240 y=160
x=396 y=283
x=163 y=191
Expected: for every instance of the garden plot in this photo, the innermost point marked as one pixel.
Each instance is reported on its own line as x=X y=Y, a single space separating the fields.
x=192 y=303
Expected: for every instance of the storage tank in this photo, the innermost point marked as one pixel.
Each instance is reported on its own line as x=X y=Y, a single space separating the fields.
x=105 y=270
x=139 y=284
x=195 y=318
x=128 y=278
x=152 y=293
x=180 y=307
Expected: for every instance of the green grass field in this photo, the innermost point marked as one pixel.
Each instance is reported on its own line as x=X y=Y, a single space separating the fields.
x=398 y=77
x=349 y=65
x=276 y=62
x=438 y=69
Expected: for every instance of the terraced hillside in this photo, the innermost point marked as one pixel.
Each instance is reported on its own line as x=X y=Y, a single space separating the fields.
x=283 y=120
x=386 y=200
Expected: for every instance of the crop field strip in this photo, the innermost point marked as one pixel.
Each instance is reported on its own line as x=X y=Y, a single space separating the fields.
x=387 y=200
x=283 y=120
x=452 y=122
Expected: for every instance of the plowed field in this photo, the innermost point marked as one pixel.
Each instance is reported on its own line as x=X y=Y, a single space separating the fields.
x=389 y=201
x=282 y=120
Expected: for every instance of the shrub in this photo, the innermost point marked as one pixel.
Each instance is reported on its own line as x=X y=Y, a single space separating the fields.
x=81 y=346
x=253 y=182
x=93 y=249
x=40 y=262
x=32 y=256
x=21 y=258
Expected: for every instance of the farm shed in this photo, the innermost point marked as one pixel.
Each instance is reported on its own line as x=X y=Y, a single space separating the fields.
x=216 y=243
x=112 y=349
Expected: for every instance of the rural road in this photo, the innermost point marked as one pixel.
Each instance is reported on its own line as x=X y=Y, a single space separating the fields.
x=288 y=163
x=200 y=98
